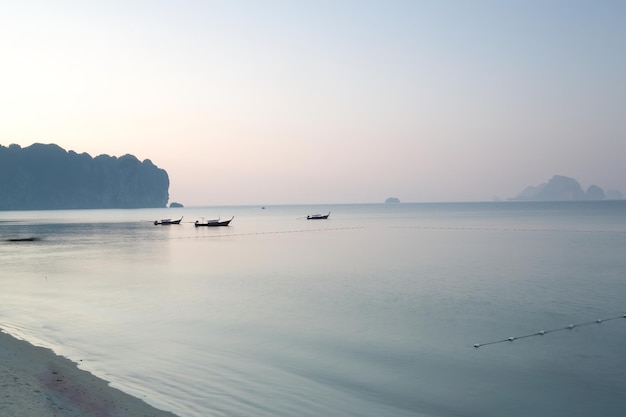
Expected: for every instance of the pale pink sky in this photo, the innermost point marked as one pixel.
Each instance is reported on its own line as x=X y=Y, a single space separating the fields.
x=270 y=102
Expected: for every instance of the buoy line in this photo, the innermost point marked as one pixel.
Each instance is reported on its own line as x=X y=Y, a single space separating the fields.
x=226 y=235
x=511 y=229
x=544 y=332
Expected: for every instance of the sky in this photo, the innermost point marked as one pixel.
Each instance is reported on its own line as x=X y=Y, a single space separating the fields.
x=315 y=102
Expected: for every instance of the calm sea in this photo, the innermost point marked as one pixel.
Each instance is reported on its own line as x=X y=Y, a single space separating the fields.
x=373 y=312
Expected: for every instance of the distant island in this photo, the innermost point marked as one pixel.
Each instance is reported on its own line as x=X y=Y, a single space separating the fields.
x=392 y=200
x=561 y=188
x=46 y=177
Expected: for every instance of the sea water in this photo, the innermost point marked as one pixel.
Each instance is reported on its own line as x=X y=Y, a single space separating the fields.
x=373 y=312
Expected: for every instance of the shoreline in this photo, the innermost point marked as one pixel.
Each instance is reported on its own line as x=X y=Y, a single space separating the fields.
x=37 y=381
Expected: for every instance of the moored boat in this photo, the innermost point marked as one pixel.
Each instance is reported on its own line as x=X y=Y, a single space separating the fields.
x=166 y=222
x=214 y=223
x=318 y=216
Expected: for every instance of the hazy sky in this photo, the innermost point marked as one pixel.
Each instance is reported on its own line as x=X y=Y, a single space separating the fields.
x=269 y=102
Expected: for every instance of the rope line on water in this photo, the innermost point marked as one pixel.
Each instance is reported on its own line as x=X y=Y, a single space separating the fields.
x=544 y=332
x=226 y=235
x=511 y=229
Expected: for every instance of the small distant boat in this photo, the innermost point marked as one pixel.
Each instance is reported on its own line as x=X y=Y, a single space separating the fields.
x=166 y=222
x=214 y=223
x=318 y=216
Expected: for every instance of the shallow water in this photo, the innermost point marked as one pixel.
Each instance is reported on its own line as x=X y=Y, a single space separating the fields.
x=372 y=312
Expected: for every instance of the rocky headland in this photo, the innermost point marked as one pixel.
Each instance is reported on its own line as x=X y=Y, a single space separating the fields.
x=47 y=177
x=561 y=188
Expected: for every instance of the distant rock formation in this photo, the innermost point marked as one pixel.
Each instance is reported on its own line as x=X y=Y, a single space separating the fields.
x=40 y=177
x=595 y=193
x=175 y=205
x=560 y=188
x=392 y=200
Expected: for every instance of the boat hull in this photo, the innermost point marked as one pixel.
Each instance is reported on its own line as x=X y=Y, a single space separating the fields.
x=213 y=223
x=318 y=217
x=167 y=222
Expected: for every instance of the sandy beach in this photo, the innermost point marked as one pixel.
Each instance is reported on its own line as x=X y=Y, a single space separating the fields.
x=35 y=382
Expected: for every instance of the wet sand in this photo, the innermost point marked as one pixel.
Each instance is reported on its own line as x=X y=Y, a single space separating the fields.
x=34 y=381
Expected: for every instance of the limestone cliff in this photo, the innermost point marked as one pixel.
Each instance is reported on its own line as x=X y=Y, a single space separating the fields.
x=40 y=177
x=560 y=188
